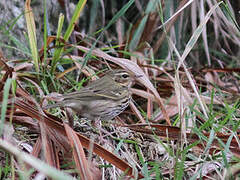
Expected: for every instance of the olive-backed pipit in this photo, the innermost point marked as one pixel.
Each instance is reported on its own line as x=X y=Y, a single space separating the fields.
x=102 y=99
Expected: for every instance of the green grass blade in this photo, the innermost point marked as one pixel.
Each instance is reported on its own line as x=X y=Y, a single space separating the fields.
x=4 y=103
x=68 y=33
x=31 y=29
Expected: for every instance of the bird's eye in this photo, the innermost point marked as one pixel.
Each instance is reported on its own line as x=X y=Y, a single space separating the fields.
x=125 y=76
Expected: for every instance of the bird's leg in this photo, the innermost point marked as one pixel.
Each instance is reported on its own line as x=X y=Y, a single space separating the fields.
x=98 y=125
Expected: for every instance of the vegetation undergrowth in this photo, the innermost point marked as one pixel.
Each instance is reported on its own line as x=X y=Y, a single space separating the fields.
x=183 y=118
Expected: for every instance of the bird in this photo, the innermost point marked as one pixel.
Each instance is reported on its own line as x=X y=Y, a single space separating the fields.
x=102 y=99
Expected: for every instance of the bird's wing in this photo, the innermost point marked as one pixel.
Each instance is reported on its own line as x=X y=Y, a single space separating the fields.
x=100 y=89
